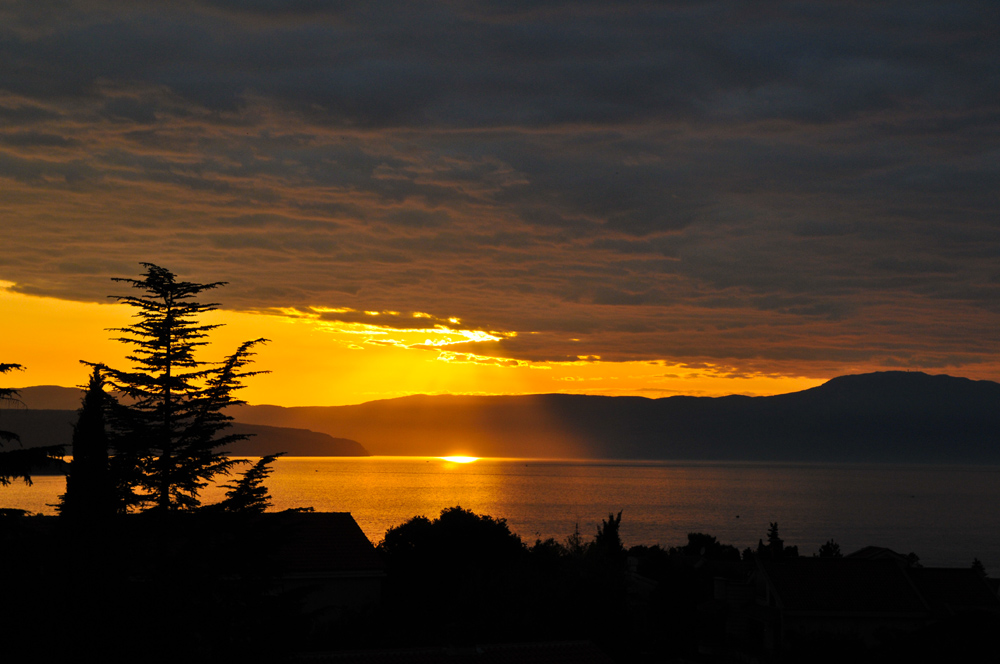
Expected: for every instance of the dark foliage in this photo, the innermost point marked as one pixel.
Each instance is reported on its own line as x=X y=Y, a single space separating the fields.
x=773 y=539
x=248 y=494
x=604 y=571
x=608 y=548
x=830 y=550
x=775 y=547
x=453 y=577
x=8 y=396
x=20 y=463
x=706 y=546
x=90 y=489
x=977 y=565
x=168 y=430
x=464 y=578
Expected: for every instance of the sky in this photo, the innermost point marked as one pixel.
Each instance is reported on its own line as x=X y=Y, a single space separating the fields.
x=644 y=198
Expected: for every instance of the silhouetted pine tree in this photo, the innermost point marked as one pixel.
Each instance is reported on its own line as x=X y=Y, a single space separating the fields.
x=19 y=463
x=608 y=545
x=979 y=567
x=830 y=550
x=776 y=548
x=773 y=539
x=775 y=545
x=248 y=494
x=167 y=430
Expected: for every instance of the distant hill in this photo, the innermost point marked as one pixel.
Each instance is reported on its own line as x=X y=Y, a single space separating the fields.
x=891 y=416
x=51 y=397
x=886 y=417
x=37 y=427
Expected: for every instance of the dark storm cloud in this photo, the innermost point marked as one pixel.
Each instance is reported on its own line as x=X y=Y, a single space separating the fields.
x=36 y=139
x=405 y=63
x=806 y=184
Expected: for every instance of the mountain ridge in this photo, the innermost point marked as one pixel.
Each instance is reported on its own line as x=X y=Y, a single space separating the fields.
x=891 y=416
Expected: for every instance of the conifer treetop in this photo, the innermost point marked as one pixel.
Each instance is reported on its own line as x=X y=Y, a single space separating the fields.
x=172 y=422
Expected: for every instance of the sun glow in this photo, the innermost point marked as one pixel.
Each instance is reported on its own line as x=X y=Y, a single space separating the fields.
x=49 y=337
x=460 y=459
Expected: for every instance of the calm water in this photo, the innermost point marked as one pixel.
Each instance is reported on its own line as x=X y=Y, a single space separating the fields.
x=947 y=515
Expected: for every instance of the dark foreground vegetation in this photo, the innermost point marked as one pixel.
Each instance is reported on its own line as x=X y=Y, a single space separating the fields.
x=463 y=578
x=213 y=587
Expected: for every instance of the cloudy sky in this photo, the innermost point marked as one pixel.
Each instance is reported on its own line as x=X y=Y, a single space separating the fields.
x=625 y=194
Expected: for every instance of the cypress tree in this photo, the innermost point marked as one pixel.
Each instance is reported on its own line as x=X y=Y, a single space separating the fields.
x=167 y=431
x=90 y=488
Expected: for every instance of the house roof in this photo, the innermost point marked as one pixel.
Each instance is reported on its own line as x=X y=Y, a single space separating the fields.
x=323 y=543
x=877 y=553
x=842 y=585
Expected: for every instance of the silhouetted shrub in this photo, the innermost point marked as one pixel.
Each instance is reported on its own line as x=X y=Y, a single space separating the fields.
x=706 y=546
x=830 y=550
x=453 y=578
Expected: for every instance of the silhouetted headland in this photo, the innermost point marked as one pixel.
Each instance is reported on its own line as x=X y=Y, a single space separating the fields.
x=55 y=427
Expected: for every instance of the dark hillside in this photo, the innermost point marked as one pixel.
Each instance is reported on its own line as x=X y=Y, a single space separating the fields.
x=890 y=416
x=37 y=428
x=887 y=416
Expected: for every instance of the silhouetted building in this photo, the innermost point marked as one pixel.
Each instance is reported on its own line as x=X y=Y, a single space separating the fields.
x=882 y=553
x=327 y=555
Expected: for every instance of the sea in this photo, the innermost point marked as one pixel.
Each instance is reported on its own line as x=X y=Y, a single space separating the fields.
x=947 y=515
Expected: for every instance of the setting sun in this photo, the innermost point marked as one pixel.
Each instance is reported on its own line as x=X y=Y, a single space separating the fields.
x=460 y=459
